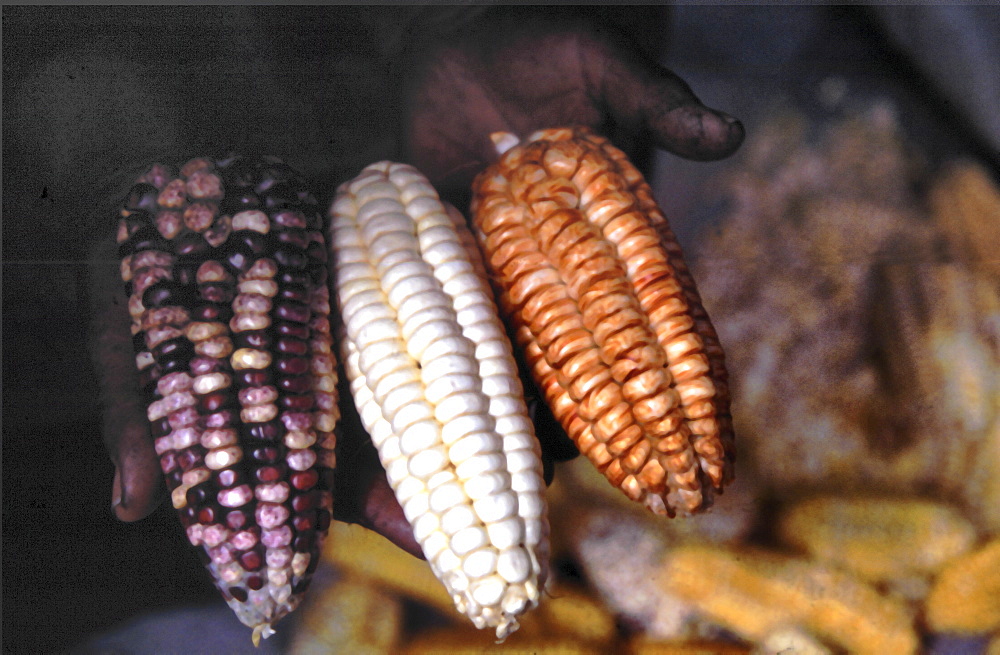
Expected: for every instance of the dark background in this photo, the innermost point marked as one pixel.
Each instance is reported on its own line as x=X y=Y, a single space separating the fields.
x=90 y=94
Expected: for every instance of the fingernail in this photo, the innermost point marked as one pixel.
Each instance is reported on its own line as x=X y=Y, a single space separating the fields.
x=116 y=492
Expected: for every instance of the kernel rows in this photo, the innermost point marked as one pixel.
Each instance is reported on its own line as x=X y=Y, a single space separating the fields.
x=225 y=268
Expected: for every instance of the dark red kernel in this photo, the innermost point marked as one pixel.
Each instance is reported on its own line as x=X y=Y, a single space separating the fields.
x=323 y=520
x=297 y=384
x=222 y=419
x=238 y=593
x=142 y=196
x=289 y=310
x=211 y=311
x=317 y=252
x=303 y=522
x=198 y=494
x=304 y=542
x=292 y=346
x=191 y=245
x=301 y=403
x=259 y=339
x=296 y=292
x=305 y=502
x=294 y=236
x=208 y=515
x=168 y=462
x=255 y=582
x=295 y=330
x=271 y=431
x=266 y=455
x=215 y=401
x=251 y=560
x=191 y=457
x=291 y=276
x=268 y=474
x=304 y=480
x=292 y=365
x=254 y=377
x=215 y=292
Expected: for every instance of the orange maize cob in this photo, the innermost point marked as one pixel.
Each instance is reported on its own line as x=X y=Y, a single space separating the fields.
x=225 y=268
x=608 y=316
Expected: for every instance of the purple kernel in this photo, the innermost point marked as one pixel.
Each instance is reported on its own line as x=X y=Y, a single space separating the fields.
x=198 y=495
x=310 y=567
x=296 y=237
x=191 y=457
x=244 y=540
x=229 y=477
x=212 y=312
x=298 y=403
x=254 y=378
x=296 y=330
x=270 y=431
x=194 y=533
x=266 y=455
x=289 y=219
x=302 y=585
x=220 y=555
x=214 y=535
x=297 y=384
x=216 y=293
x=301 y=459
x=290 y=276
x=219 y=420
x=289 y=310
x=215 y=401
x=205 y=365
x=297 y=420
x=271 y=515
x=142 y=196
x=295 y=292
x=317 y=252
x=183 y=418
x=277 y=539
x=292 y=346
x=236 y=519
x=277 y=556
x=235 y=496
x=272 y=492
x=191 y=244
x=168 y=462
x=304 y=480
x=258 y=339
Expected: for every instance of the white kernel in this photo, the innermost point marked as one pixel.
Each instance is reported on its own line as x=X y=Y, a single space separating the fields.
x=250 y=358
x=253 y=219
x=280 y=594
x=432 y=309
x=428 y=462
x=222 y=458
x=521 y=459
x=487 y=484
x=259 y=413
x=531 y=506
x=300 y=561
x=514 y=565
x=267 y=288
x=424 y=525
x=272 y=493
x=413 y=413
x=458 y=518
x=407 y=488
x=185 y=438
x=416 y=506
x=433 y=545
x=448 y=561
x=496 y=507
x=474 y=444
x=420 y=206
x=469 y=424
x=277 y=577
x=301 y=459
x=480 y=563
x=218 y=438
x=419 y=437
x=461 y=404
x=479 y=464
x=446 y=496
x=507 y=533
x=209 y=382
x=426 y=334
x=163 y=444
x=469 y=539
x=488 y=591
x=179 y=496
x=297 y=439
x=400 y=397
x=442 y=386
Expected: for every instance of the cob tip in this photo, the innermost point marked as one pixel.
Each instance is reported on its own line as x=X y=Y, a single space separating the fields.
x=261 y=631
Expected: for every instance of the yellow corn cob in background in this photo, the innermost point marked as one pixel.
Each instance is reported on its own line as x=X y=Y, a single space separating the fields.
x=435 y=383
x=608 y=315
x=225 y=268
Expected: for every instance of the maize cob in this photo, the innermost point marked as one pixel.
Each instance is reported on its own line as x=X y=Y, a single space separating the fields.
x=435 y=383
x=607 y=315
x=225 y=268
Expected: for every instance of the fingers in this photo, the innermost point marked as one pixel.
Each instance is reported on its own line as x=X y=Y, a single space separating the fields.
x=646 y=97
x=138 y=486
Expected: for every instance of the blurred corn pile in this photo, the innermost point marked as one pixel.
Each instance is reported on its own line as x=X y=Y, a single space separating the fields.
x=855 y=290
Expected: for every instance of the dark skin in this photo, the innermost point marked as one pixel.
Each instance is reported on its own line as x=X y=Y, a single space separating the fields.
x=502 y=75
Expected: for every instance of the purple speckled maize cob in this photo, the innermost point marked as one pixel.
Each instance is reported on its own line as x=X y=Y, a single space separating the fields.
x=225 y=268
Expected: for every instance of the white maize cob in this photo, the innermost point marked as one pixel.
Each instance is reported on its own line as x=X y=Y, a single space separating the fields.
x=435 y=382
